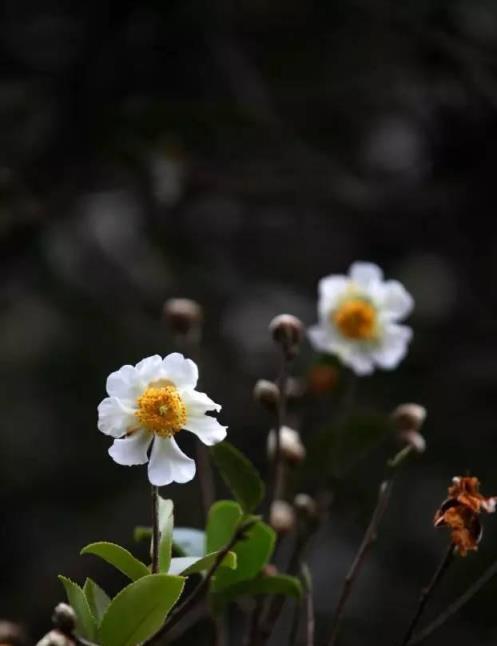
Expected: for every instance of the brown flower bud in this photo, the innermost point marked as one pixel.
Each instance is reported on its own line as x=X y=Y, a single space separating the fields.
x=183 y=315
x=288 y=331
x=291 y=446
x=64 y=618
x=409 y=417
x=306 y=506
x=282 y=517
x=12 y=634
x=267 y=393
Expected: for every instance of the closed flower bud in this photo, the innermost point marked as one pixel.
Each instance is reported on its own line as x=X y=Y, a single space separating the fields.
x=12 y=634
x=414 y=440
x=409 y=417
x=288 y=331
x=282 y=517
x=55 y=638
x=291 y=446
x=64 y=618
x=183 y=316
x=266 y=393
x=305 y=506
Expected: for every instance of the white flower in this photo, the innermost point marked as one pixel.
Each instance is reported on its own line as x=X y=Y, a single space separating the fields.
x=358 y=319
x=149 y=404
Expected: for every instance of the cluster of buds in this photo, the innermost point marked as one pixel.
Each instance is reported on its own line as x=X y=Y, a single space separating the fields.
x=460 y=513
x=408 y=420
x=64 y=622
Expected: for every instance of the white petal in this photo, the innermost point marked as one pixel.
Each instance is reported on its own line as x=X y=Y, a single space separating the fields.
x=124 y=383
x=115 y=418
x=319 y=338
x=332 y=287
x=365 y=274
x=394 y=300
x=206 y=428
x=168 y=463
x=132 y=449
x=198 y=403
x=360 y=362
x=182 y=372
x=149 y=369
x=393 y=346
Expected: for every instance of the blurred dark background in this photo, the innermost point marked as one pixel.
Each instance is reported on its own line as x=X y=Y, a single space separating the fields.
x=235 y=152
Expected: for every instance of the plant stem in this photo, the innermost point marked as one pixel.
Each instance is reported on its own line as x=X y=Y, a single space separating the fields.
x=368 y=540
x=427 y=592
x=278 y=476
x=180 y=611
x=155 y=529
x=454 y=607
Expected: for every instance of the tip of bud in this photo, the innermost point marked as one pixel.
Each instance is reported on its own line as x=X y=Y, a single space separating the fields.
x=413 y=439
x=291 y=446
x=182 y=315
x=306 y=506
x=288 y=331
x=409 y=417
x=64 y=618
x=282 y=517
x=267 y=393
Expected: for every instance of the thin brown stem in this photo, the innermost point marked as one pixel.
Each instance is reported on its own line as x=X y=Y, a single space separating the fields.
x=427 y=592
x=205 y=477
x=180 y=611
x=454 y=607
x=155 y=530
x=278 y=475
x=309 y=605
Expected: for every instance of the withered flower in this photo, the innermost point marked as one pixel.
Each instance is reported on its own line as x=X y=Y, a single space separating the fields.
x=460 y=512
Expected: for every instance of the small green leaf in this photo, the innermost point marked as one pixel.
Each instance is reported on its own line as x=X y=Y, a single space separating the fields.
x=166 y=524
x=119 y=557
x=141 y=533
x=224 y=516
x=188 y=541
x=86 y=625
x=139 y=610
x=239 y=474
x=279 y=584
x=98 y=600
x=187 y=565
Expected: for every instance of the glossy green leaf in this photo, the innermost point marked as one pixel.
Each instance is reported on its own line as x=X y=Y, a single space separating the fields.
x=98 y=600
x=223 y=518
x=166 y=524
x=188 y=541
x=86 y=625
x=119 y=557
x=139 y=610
x=187 y=565
x=239 y=475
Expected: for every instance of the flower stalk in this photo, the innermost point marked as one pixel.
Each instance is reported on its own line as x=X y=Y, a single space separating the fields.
x=155 y=529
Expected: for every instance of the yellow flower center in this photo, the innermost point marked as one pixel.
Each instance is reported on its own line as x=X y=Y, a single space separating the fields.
x=356 y=319
x=161 y=410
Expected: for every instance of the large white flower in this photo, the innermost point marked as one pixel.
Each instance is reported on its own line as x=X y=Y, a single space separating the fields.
x=148 y=405
x=359 y=318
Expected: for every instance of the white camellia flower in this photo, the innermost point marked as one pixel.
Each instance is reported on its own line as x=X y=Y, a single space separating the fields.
x=149 y=404
x=359 y=318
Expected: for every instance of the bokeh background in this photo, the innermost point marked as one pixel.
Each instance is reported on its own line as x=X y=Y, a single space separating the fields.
x=235 y=152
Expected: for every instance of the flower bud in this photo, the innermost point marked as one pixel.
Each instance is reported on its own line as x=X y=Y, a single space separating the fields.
x=55 y=638
x=408 y=417
x=281 y=517
x=183 y=315
x=64 y=618
x=12 y=634
x=288 y=331
x=413 y=439
x=267 y=393
x=305 y=506
x=291 y=446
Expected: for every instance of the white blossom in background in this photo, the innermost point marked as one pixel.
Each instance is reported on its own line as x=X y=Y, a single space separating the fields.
x=147 y=406
x=359 y=319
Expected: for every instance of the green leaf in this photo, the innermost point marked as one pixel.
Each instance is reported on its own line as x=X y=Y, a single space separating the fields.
x=139 y=610
x=188 y=541
x=142 y=533
x=86 y=625
x=187 y=565
x=119 y=557
x=166 y=524
x=98 y=600
x=223 y=518
x=279 y=584
x=239 y=475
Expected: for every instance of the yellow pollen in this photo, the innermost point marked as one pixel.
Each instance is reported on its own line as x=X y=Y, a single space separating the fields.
x=161 y=410
x=356 y=319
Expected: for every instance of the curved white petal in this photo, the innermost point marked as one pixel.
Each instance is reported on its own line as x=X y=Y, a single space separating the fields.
x=360 y=362
x=124 y=383
x=394 y=300
x=393 y=347
x=132 y=449
x=319 y=338
x=115 y=417
x=330 y=288
x=149 y=369
x=168 y=463
x=365 y=274
x=206 y=428
x=198 y=403
x=182 y=372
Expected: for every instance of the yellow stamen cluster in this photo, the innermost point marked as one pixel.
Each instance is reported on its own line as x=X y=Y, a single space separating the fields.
x=161 y=410
x=356 y=319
